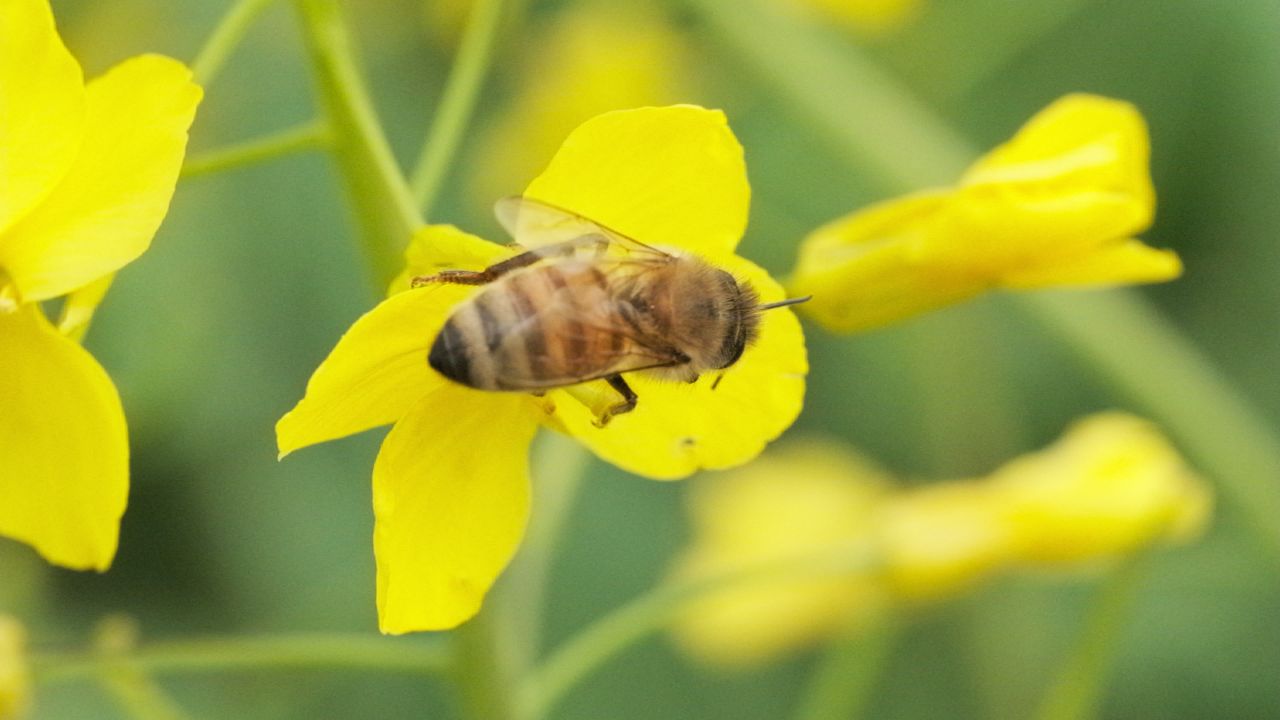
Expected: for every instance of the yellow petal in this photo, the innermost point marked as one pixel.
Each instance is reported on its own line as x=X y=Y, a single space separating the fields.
x=942 y=538
x=667 y=176
x=79 y=306
x=1079 y=141
x=1127 y=261
x=1075 y=176
x=41 y=108
x=450 y=498
x=64 y=454
x=15 y=673
x=106 y=209
x=797 y=502
x=377 y=371
x=1052 y=206
x=444 y=247
x=1112 y=485
x=863 y=270
x=678 y=428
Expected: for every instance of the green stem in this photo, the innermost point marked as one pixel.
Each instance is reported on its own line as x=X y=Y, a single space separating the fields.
x=214 y=655
x=1075 y=693
x=502 y=643
x=606 y=637
x=483 y=665
x=841 y=687
x=384 y=207
x=461 y=92
x=308 y=136
x=876 y=124
x=558 y=474
x=137 y=695
x=230 y=30
x=845 y=97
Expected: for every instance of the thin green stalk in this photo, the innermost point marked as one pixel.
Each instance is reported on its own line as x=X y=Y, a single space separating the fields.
x=253 y=654
x=307 y=136
x=1076 y=692
x=877 y=124
x=874 y=123
x=384 y=208
x=461 y=92
x=503 y=642
x=559 y=465
x=847 y=673
x=483 y=666
x=140 y=698
x=229 y=32
x=606 y=637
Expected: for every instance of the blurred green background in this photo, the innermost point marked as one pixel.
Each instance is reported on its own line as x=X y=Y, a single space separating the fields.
x=212 y=335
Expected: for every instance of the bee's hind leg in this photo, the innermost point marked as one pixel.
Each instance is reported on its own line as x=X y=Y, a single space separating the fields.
x=628 y=403
x=478 y=277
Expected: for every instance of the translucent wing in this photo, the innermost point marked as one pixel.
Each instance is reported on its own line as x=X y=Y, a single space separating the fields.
x=544 y=228
x=578 y=333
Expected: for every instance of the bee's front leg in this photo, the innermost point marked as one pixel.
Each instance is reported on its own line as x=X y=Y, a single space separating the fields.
x=628 y=403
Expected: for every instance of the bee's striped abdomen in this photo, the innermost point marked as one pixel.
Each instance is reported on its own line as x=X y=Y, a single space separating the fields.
x=525 y=331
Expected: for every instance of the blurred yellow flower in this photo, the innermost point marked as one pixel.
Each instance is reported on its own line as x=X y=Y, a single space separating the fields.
x=451 y=487
x=15 y=676
x=1055 y=206
x=939 y=539
x=867 y=17
x=1110 y=487
x=1113 y=485
x=801 y=498
x=568 y=79
x=86 y=174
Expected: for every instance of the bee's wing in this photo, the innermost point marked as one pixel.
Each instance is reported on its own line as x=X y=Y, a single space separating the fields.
x=544 y=228
x=586 y=315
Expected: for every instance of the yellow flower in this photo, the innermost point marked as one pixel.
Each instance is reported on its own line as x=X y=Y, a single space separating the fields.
x=15 y=676
x=86 y=174
x=940 y=539
x=568 y=80
x=790 y=503
x=869 y=17
x=451 y=487
x=1055 y=206
x=1110 y=487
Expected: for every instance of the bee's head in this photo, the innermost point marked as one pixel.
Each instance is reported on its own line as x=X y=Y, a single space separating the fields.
x=716 y=317
x=740 y=319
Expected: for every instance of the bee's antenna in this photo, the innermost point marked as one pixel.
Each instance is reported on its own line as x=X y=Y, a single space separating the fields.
x=784 y=303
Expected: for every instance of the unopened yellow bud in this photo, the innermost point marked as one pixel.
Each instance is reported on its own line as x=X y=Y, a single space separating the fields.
x=1113 y=484
x=1057 y=205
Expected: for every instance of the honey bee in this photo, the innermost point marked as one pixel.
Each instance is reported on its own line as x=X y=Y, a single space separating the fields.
x=585 y=302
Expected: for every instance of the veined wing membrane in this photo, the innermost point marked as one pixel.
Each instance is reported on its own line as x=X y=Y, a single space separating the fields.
x=539 y=227
x=579 y=333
